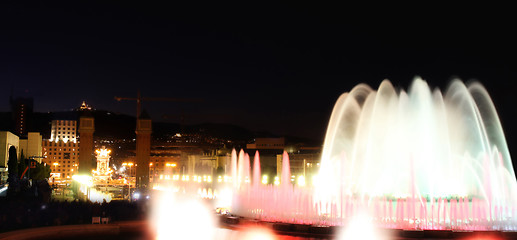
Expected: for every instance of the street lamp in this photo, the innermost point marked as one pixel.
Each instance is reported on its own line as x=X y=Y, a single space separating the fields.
x=169 y=171
x=151 y=170
x=54 y=177
x=130 y=164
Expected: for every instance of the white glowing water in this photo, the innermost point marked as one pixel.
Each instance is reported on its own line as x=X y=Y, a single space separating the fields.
x=417 y=159
x=384 y=143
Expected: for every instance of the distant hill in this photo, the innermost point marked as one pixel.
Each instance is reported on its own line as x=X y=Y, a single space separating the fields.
x=120 y=126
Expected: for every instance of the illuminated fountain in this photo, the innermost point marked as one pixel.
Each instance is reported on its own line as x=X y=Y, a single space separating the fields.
x=413 y=160
x=102 y=175
x=101 y=178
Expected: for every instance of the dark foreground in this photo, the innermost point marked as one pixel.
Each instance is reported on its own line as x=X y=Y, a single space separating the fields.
x=325 y=232
x=16 y=214
x=229 y=226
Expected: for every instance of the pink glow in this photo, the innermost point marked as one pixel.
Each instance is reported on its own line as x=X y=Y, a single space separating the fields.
x=416 y=160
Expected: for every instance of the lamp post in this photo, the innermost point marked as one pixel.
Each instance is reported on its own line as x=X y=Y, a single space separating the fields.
x=130 y=164
x=151 y=170
x=54 y=177
x=75 y=168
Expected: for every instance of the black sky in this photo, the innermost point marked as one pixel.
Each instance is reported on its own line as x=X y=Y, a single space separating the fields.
x=278 y=68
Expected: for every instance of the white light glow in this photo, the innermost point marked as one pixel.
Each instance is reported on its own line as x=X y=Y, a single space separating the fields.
x=362 y=227
x=181 y=218
x=257 y=233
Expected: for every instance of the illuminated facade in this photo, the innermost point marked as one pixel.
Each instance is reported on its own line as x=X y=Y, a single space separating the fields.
x=63 y=130
x=85 y=106
x=61 y=151
x=32 y=146
x=7 y=139
x=62 y=157
x=305 y=164
x=161 y=167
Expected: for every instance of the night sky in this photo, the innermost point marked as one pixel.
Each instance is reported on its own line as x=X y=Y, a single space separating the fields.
x=278 y=68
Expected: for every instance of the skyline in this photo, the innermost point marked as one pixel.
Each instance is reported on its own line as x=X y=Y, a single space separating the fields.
x=253 y=120
x=279 y=69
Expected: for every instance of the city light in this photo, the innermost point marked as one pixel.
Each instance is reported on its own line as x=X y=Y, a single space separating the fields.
x=83 y=179
x=130 y=164
x=264 y=179
x=136 y=195
x=301 y=180
x=103 y=152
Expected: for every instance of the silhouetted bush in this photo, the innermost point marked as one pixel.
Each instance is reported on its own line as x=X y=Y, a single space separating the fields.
x=28 y=213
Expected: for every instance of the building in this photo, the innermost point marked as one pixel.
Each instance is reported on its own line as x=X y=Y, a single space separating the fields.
x=84 y=107
x=22 y=109
x=86 y=129
x=304 y=164
x=205 y=164
x=304 y=160
x=167 y=162
x=61 y=151
x=143 y=149
x=63 y=130
x=63 y=158
x=267 y=143
x=32 y=146
x=7 y=139
x=165 y=166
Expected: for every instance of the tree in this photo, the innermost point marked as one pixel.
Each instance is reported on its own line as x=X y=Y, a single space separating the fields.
x=22 y=156
x=12 y=166
x=12 y=163
x=22 y=165
x=40 y=172
x=32 y=169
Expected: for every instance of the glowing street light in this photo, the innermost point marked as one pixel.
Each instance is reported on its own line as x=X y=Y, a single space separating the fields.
x=55 y=172
x=264 y=179
x=130 y=164
x=301 y=180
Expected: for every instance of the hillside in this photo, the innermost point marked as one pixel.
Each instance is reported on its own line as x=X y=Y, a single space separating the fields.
x=110 y=125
